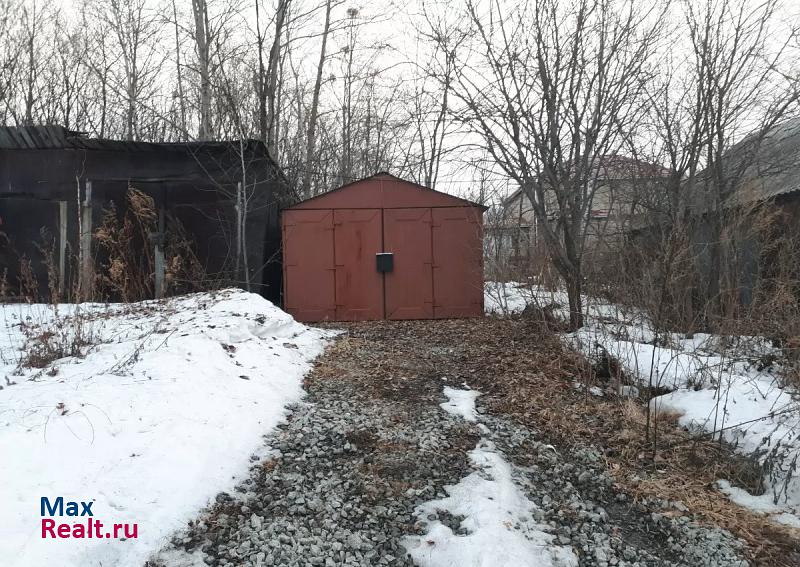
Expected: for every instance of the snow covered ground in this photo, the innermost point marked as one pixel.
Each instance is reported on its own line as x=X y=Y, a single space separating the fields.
x=719 y=385
x=162 y=410
x=498 y=528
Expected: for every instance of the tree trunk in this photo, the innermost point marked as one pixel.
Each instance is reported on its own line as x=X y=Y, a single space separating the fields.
x=261 y=78
x=271 y=90
x=200 y=10
x=181 y=97
x=313 y=113
x=574 y=289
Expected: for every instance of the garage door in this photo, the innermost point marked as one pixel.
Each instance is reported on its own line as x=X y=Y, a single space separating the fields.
x=359 y=286
x=331 y=271
x=409 y=286
x=457 y=263
x=308 y=265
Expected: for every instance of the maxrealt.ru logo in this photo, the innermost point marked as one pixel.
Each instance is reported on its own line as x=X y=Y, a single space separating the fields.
x=85 y=527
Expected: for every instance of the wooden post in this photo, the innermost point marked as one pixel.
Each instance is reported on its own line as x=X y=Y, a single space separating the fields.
x=86 y=242
x=238 y=208
x=62 y=248
x=158 y=255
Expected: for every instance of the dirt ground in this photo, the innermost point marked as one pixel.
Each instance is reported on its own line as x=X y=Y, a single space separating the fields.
x=525 y=374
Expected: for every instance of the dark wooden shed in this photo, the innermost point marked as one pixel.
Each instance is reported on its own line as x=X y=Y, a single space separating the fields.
x=383 y=248
x=63 y=182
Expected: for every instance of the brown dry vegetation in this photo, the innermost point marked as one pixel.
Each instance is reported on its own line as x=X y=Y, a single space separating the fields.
x=127 y=263
x=529 y=374
x=525 y=372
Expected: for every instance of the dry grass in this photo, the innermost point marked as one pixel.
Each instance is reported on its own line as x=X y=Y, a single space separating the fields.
x=529 y=375
x=126 y=264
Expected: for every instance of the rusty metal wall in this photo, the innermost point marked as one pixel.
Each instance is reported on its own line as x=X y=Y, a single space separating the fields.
x=330 y=243
x=457 y=262
x=308 y=262
x=358 y=236
x=409 y=287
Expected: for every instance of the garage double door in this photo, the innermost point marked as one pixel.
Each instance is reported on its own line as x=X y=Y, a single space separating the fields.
x=332 y=273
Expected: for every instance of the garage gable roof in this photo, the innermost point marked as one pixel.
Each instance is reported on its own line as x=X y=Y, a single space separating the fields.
x=383 y=191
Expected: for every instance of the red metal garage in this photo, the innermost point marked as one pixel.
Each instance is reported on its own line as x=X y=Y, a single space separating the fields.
x=383 y=248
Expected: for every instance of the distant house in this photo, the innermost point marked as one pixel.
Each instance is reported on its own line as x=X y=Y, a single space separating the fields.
x=624 y=188
x=56 y=186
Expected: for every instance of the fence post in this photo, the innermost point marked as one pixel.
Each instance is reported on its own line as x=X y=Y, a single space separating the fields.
x=158 y=255
x=62 y=248
x=85 y=279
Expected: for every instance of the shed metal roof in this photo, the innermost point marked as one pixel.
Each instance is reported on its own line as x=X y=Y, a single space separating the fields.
x=53 y=137
x=182 y=167
x=771 y=166
x=326 y=200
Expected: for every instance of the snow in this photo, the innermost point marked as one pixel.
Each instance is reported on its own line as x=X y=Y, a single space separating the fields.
x=758 y=504
x=163 y=412
x=460 y=402
x=758 y=418
x=593 y=390
x=505 y=298
x=718 y=385
x=498 y=527
x=498 y=519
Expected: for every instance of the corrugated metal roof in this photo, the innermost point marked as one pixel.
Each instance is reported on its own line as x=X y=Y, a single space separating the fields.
x=57 y=137
x=35 y=137
x=771 y=167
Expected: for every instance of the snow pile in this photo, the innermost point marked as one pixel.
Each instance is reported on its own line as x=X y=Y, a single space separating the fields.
x=719 y=385
x=675 y=366
x=507 y=298
x=498 y=523
x=758 y=418
x=460 y=402
x=162 y=412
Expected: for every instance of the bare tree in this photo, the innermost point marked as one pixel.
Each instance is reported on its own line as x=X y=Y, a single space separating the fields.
x=550 y=87
x=733 y=84
x=738 y=63
x=9 y=51
x=430 y=106
x=268 y=75
x=136 y=31
x=34 y=18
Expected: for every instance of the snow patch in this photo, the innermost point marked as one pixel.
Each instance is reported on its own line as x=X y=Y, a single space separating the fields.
x=160 y=415
x=497 y=526
x=497 y=518
x=593 y=390
x=460 y=402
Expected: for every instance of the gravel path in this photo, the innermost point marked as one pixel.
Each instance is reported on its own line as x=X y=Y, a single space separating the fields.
x=371 y=443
